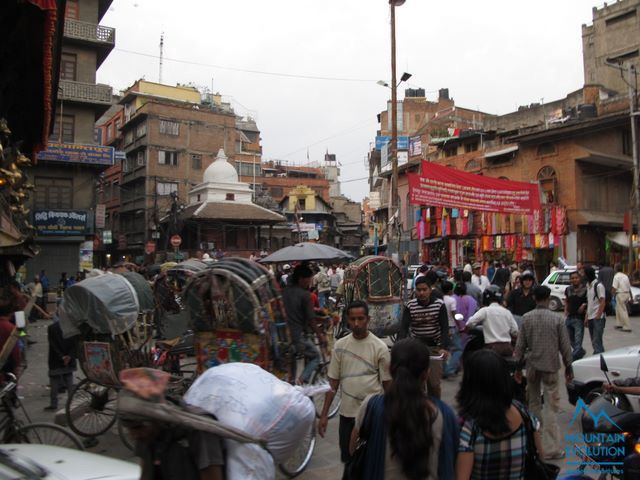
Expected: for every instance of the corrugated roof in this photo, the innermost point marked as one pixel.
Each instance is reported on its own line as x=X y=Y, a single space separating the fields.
x=241 y=212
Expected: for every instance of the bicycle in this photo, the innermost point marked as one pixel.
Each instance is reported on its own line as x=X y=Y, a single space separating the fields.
x=15 y=430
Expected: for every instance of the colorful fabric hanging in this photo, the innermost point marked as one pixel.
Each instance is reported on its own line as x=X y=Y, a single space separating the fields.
x=460 y=225
x=455 y=213
x=551 y=240
x=530 y=224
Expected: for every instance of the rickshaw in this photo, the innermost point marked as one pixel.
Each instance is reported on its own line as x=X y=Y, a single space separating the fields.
x=237 y=315
x=376 y=280
x=111 y=317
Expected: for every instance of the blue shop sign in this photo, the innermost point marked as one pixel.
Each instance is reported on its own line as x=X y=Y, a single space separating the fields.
x=60 y=222
x=382 y=140
x=75 y=153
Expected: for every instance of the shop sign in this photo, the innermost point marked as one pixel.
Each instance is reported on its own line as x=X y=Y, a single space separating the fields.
x=382 y=140
x=86 y=255
x=75 y=153
x=100 y=215
x=60 y=222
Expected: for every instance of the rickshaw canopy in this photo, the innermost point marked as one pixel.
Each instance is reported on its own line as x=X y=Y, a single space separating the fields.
x=373 y=278
x=107 y=304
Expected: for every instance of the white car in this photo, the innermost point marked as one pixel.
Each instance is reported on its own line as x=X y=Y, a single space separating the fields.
x=587 y=382
x=558 y=282
x=46 y=462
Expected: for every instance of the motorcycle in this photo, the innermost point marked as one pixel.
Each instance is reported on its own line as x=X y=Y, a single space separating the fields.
x=611 y=436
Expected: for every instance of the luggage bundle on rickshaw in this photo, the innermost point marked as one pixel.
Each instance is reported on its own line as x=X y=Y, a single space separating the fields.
x=236 y=312
x=377 y=281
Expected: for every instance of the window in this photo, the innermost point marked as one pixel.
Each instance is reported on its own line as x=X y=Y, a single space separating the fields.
x=547 y=180
x=53 y=193
x=167 y=127
x=118 y=124
x=109 y=131
x=563 y=278
x=620 y=59
x=472 y=165
x=302 y=203
x=128 y=137
x=141 y=158
x=71 y=10
x=68 y=128
x=450 y=152
x=196 y=161
x=166 y=188
x=546 y=149
x=141 y=130
x=230 y=197
x=620 y=18
x=471 y=147
x=167 y=158
x=247 y=169
x=68 y=64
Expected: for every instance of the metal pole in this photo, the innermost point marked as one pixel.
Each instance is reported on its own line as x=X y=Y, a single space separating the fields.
x=393 y=146
x=634 y=149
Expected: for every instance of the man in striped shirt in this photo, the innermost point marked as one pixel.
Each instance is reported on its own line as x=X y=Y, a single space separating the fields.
x=425 y=318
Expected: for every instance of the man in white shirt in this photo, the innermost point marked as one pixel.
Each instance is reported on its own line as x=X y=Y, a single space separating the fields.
x=594 y=318
x=621 y=291
x=498 y=325
x=479 y=280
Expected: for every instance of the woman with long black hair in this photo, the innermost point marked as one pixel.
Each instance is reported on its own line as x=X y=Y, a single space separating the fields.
x=493 y=435
x=409 y=435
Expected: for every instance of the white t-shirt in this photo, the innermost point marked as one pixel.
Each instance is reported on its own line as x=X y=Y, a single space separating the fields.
x=498 y=324
x=451 y=305
x=593 y=300
x=480 y=281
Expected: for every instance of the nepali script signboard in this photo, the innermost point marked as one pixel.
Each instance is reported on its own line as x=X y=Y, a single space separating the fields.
x=440 y=186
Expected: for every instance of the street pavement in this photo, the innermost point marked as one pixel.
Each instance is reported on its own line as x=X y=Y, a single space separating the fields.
x=325 y=464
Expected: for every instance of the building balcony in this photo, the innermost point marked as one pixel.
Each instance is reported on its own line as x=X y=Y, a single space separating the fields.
x=85 y=93
x=98 y=36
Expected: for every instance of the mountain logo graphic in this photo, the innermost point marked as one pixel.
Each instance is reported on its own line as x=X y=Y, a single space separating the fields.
x=596 y=417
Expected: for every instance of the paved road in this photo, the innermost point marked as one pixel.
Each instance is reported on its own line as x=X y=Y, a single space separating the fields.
x=325 y=463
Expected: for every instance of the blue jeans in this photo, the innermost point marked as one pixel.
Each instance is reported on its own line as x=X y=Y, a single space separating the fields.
x=304 y=346
x=575 y=327
x=596 y=330
x=455 y=349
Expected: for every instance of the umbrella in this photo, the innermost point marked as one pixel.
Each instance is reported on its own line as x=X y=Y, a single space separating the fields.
x=306 y=251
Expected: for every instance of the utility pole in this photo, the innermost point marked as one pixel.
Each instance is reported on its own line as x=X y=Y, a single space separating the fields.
x=633 y=91
x=393 y=144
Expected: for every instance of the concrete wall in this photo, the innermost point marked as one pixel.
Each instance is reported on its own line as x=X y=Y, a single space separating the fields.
x=615 y=32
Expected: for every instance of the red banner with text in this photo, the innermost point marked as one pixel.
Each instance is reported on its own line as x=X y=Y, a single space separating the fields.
x=440 y=186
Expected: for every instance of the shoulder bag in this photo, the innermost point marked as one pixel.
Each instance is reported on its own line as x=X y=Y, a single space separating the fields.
x=534 y=466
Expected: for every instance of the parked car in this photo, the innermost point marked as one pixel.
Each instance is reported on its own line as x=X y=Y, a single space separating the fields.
x=45 y=462
x=558 y=282
x=588 y=378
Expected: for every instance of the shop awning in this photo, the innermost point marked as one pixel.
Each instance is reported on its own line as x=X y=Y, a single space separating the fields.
x=607 y=159
x=622 y=239
x=502 y=151
x=599 y=219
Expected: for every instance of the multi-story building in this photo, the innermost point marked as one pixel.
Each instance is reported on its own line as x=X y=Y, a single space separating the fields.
x=613 y=38
x=66 y=174
x=170 y=135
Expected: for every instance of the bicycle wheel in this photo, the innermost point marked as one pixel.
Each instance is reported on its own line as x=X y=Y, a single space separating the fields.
x=46 y=434
x=299 y=460
x=91 y=409
x=320 y=376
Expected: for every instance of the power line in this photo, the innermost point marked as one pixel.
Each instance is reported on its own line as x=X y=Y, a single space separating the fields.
x=248 y=70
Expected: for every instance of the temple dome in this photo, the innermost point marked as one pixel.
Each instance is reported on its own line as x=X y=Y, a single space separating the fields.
x=220 y=171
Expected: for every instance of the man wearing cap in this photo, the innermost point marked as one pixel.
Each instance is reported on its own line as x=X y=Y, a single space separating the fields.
x=285 y=275
x=521 y=299
x=479 y=280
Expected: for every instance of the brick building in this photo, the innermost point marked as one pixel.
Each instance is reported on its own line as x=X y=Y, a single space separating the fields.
x=170 y=136
x=67 y=173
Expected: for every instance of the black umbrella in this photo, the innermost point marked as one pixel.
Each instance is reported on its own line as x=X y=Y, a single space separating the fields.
x=306 y=251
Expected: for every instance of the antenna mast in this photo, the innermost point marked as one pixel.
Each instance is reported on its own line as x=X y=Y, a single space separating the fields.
x=161 y=56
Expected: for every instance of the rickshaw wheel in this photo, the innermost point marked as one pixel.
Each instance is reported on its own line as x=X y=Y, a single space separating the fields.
x=126 y=439
x=299 y=460
x=91 y=409
x=320 y=376
x=46 y=434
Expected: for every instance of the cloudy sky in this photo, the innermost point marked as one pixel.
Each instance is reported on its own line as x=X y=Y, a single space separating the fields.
x=307 y=69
